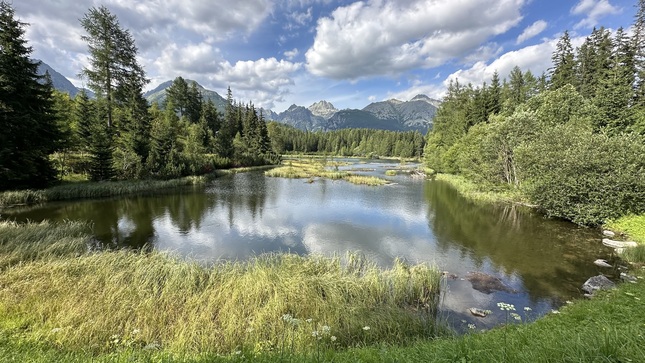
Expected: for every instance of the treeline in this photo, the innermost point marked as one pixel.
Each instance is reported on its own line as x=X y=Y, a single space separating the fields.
x=117 y=135
x=570 y=141
x=347 y=142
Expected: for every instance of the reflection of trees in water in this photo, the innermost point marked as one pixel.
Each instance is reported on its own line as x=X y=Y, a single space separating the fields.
x=242 y=192
x=551 y=257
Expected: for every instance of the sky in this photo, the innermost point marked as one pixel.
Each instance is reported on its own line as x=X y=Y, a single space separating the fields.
x=276 y=53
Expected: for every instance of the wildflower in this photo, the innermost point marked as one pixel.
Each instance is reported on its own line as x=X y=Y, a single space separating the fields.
x=516 y=316
x=309 y=320
x=555 y=312
x=506 y=307
x=472 y=326
x=56 y=330
x=287 y=317
x=526 y=308
x=314 y=333
x=366 y=328
x=136 y=331
x=333 y=338
x=325 y=329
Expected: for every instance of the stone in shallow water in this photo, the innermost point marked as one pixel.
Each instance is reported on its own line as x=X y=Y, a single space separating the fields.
x=618 y=244
x=478 y=312
x=601 y=263
x=487 y=283
x=595 y=283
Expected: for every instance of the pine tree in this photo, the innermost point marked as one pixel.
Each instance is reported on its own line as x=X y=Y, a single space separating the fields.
x=563 y=71
x=83 y=115
x=638 y=41
x=114 y=70
x=27 y=119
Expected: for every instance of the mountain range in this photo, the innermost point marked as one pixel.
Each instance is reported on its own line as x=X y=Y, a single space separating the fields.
x=413 y=115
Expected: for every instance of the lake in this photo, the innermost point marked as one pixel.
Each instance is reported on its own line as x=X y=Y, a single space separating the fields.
x=541 y=262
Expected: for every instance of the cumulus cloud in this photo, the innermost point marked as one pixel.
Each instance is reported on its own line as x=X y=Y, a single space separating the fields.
x=536 y=58
x=531 y=31
x=264 y=81
x=593 y=10
x=379 y=37
x=290 y=54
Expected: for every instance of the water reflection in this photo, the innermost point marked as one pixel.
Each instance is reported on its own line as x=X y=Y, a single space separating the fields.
x=242 y=215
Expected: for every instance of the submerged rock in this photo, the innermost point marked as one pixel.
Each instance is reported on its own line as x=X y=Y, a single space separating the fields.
x=595 y=283
x=601 y=263
x=487 y=283
x=618 y=244
x=479 y=312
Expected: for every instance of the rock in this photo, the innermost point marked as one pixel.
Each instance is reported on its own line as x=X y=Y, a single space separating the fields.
x=478 y=312
x=608 y=233
x=627 y=277
x=618 y=244
x=601 y=263
x=487 y=283
x=596 y=283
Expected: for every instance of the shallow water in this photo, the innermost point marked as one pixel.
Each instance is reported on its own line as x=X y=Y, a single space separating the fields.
x=542 y=262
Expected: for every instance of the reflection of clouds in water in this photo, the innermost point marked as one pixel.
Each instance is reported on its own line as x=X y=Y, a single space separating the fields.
x=381 y=244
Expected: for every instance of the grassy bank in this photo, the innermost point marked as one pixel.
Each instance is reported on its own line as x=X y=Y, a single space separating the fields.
x=320 y=168
x=632 y=226
x=106 y=303
x=476 y=192
x=84 y=190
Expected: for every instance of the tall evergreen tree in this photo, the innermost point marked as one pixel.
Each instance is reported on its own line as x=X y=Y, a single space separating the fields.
x=563 y=71
x=114 y=70
x=27 y=120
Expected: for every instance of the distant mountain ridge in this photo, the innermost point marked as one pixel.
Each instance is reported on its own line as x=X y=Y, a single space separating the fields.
x=416 y=114
x=413 y=115
x=158 y=94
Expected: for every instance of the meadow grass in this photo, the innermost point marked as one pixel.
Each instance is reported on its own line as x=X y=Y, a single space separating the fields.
x=366 y=180
x=318 y=168
x=633 y=226
x=94 y=190
x=475 y=192
x=104 y=302
x=390 y=172
x=22 y=243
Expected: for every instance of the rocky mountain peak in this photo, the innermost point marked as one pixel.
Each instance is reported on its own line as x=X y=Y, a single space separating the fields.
x=323 y=109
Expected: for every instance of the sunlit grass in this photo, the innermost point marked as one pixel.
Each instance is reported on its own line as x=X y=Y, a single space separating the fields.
x=390 y=172
x=475 y=192
x=94 y=190
x=366 y=180
x=631 y=225
x=108 y=301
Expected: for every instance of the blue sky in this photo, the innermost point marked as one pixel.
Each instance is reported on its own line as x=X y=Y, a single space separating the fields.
x=282 y=52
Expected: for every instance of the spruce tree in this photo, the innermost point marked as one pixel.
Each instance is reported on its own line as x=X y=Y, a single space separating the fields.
x=563 y=71
x=27 y=119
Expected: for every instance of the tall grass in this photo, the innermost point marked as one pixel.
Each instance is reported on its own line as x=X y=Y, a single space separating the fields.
x=21 y=243
x=94 y=190
x=365 y=180
x=108 y=300
x=476 y=193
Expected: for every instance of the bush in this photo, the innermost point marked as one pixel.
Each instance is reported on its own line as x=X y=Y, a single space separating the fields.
x=582 y=176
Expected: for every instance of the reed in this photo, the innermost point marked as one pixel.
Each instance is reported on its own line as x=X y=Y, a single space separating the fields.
x=366 y=180
x=22 y=243
x=108 y=301
x=94 y=190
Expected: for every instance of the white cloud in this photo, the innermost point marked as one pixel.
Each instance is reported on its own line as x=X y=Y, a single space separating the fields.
x=593 y=10
x=436 y=91
x=264 y=81
x=379 y=37
x=531 y=31
x=536 y=58
x=290 y=54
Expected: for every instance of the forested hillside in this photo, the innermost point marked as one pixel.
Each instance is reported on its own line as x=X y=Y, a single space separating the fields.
x=570 y=141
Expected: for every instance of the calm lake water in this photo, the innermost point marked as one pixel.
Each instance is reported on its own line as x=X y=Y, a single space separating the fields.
x=544 y=262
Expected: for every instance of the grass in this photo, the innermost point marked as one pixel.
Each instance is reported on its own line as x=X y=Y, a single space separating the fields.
x=633 y=226
x=22 y=243
x=319 y=168
x=390 y=172
x=476 y=193
x=102 y=303
x=94 y=190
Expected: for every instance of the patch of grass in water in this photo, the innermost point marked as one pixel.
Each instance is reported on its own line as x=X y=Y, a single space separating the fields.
x=366 y=180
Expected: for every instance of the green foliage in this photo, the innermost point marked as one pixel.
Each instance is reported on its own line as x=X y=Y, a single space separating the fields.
x=583 y=176
x=29 y=126
x=631 y=225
